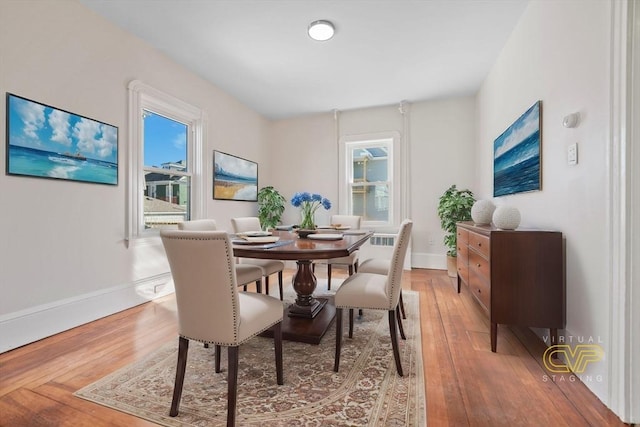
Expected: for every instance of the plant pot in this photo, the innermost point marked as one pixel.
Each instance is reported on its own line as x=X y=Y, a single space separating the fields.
x=452 y=266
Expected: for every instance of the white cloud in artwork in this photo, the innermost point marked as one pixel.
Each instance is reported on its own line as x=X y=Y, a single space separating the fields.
x=95 y=138
x=32 y=115
x=59 y=122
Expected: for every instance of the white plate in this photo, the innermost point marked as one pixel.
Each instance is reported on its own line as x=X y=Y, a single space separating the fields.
x=255 y=233
x=325 y=236
x=356 y=232
x=256 y=240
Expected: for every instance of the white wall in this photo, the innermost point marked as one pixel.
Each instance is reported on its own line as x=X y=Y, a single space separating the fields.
x=559 y=53
x=63 y=260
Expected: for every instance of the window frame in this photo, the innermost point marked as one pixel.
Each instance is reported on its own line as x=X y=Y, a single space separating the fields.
x=348 y=144
x=144 y=97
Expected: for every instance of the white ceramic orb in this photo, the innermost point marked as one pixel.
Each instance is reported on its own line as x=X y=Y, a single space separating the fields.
x=482 y=212
x=506 y=217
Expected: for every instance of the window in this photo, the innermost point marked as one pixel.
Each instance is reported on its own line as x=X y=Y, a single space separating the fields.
x=370 y=178
x=165 y=161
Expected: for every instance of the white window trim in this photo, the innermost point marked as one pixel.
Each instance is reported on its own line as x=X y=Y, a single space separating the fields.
x=344 y=175
x=143 y=96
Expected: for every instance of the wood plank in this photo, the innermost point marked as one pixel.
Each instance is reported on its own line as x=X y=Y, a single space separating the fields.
x=465 y=384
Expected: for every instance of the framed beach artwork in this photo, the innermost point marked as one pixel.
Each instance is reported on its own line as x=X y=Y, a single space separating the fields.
x=47 y=142
x=516 y=155
x=234 y=178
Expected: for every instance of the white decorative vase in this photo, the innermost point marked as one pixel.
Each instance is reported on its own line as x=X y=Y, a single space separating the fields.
x=506 y=217
x=482 y=212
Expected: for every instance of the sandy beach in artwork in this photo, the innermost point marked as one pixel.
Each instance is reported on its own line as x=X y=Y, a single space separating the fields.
x=226 y=189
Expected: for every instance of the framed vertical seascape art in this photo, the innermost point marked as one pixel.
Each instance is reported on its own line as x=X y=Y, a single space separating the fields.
x=516 y=155
x=234 y=178
x=47 y=142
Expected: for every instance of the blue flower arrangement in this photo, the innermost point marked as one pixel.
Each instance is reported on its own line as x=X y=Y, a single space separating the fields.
x=309 y=204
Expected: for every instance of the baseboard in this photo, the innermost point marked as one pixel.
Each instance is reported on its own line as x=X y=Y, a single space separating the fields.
x=427 y=260
x=33 y=324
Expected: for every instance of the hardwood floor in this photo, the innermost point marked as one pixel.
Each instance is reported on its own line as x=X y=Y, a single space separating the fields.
x=465 y=383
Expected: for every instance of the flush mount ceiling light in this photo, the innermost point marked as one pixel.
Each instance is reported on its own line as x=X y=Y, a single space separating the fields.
x=321 y=30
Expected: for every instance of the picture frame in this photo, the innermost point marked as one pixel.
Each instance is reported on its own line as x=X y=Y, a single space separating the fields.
x=234 y=178
x=49 y=142
x=517 y=155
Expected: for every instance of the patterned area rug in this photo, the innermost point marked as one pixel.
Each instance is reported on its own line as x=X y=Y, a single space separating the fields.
x=366 y=392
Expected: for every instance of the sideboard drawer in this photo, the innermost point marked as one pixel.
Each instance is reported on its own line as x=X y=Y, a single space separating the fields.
x=463 y=271
x=480 y=266
x=480 y=243
x=462 y=237
x=480 y=289
x=463 y=252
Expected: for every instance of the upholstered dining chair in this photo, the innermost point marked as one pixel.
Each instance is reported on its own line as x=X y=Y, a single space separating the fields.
x=380 y=266
x=210 y=308
x=351 y=261
x=375 y=291
x=245 y=273
x=268 y=266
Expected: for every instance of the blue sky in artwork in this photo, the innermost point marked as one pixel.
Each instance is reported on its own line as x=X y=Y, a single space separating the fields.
x=522 y=129
x=38 y=126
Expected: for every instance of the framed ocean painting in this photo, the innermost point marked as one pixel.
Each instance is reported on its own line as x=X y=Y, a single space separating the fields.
x=47 y=142
x=516 y=155
x=234 y=178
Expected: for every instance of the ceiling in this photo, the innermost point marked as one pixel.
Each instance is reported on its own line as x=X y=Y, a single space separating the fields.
x=383 y=52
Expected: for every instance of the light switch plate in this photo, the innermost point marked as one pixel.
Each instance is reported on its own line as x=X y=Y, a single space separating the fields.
x=572 y=154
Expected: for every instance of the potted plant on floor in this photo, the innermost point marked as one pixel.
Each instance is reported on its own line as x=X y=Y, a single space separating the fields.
x=454 y=206
x=270 y=207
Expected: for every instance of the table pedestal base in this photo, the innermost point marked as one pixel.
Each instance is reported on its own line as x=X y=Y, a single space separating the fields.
x=307 y=311
x=307 y=330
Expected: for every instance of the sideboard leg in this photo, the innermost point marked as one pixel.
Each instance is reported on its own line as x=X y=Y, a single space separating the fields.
x=494 y=336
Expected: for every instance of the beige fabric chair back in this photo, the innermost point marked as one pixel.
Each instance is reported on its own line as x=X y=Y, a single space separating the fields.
x=198 y=225
x=249 y=223
x=394 y=280
x=205 y=282
x=352 y=221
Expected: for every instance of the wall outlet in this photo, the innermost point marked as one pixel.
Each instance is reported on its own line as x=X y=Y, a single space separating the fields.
x=572 y=154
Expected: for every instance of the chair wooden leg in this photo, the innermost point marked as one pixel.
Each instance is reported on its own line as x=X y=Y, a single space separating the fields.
x=232 y=390
x=394 y=341
x=244 y=288
x=355 y=266
x=280 y=285
x=404 y=316
x=277 y=339
x=259 y=286
x=351 y=270
x=399 y=319
x=183 y=349
x=266 y=284
x=218 y=359
x=351 y=323
x=328 y=277
x=336 y=364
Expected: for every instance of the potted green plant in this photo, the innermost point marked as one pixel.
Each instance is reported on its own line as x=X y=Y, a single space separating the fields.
x=454 y=206
x=270 y=207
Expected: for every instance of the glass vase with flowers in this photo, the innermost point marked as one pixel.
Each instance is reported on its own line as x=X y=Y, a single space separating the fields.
x=309 y=204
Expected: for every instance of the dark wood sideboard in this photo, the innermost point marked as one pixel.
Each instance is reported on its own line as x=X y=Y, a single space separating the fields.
x=517 y=276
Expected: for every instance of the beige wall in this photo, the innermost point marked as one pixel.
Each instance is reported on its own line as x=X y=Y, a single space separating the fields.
x=559 y=53
x=441 y=129
x=62 y=254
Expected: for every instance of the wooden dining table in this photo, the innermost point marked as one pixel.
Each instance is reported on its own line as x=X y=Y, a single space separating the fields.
x=308 y=318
